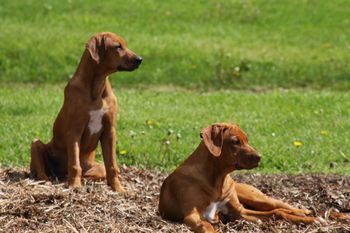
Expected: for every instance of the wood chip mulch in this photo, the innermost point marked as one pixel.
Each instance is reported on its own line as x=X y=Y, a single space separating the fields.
x=34 y=206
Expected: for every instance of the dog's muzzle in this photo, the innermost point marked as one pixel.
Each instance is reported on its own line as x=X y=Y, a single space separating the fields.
x=138 y=60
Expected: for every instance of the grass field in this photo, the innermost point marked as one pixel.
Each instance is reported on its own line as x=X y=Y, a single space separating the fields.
x=301 y=43
x=159 y=128
x=278 y=68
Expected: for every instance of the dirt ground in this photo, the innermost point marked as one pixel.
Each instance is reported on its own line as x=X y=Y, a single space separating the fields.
x=33 y=206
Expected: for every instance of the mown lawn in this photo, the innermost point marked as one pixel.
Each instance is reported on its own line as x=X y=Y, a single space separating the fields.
x=245 y=44
x=158 y=128
x=278 y=68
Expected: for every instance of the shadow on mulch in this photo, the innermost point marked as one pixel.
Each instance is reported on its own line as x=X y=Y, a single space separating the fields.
x=28 y=205
x=11 y=175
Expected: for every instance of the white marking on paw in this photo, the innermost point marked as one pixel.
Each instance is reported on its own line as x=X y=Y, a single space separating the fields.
x=320 y=220
x=213 y=207
x=95 y=123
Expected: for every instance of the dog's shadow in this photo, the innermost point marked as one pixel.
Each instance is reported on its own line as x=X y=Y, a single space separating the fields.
x=12 y=176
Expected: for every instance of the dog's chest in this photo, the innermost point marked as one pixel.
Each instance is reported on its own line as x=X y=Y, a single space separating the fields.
x=95 y=122
x=213 y=208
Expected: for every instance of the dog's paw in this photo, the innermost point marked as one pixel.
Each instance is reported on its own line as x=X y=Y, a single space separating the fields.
x=205 y=227
x=320 y=221
x=74 y=183
x=39 y=176
x=305 y=212
x=301 y=212
x=118 y=189
x=116 y=186
x=339 y=216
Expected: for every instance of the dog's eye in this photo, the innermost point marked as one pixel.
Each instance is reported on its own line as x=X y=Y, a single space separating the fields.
x=118 y=46
x=235 y=140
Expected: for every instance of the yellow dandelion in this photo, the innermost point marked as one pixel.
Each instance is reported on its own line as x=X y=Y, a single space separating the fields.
x=324 y=132
x=123 y=152
x=149 y=122
x=327 y=45
x=297 y=143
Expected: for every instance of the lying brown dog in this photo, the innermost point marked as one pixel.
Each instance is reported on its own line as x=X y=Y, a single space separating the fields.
x=201 y=189
x=86 y=117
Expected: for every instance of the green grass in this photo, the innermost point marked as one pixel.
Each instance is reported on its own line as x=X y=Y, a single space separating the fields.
x=150 y=118
x=278 y=68
x=301 y=43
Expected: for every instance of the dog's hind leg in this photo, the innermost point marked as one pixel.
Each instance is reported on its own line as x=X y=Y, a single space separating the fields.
x=91 y=169
x=255 y=199
x=38 y=161
x=97 y=171
x=280 y=213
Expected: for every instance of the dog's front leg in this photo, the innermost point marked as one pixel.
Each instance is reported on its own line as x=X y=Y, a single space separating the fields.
x=74 y=168
x=108 y=142
x=194 y=221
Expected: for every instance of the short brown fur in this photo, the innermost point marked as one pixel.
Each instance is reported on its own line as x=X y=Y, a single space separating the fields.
x=203 y=179
x=86 y=118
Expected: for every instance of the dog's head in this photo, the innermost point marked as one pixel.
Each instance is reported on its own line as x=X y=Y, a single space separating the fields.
x=110 y=52
x=229 y=143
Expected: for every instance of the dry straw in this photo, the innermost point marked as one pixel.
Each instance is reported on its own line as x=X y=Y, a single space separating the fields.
x=34 y=206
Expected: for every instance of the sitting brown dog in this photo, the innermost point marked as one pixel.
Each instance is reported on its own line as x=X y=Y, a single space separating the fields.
x=86 y=117
x=201 y=189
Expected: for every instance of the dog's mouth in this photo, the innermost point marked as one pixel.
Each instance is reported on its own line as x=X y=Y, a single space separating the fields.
x=249 y=161
x=135 y=66
x=247 y=166
x=256 y=164
x=122 y=68
x=132 y=67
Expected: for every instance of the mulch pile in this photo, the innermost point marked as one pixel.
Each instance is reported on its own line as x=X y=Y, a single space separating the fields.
x=28 y=205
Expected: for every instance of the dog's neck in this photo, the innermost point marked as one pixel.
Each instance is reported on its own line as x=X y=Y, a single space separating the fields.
x=212 y=168
x=90 y=76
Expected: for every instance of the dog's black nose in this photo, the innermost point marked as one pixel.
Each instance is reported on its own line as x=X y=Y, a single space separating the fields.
x=257 y=158
x=138 y=60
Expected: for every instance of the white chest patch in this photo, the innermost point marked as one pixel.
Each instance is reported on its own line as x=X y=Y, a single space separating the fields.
x=213 y=208
x=95 y=123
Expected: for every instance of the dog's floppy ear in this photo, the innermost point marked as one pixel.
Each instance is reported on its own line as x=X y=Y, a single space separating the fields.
x=213 y=138
x=96 y=48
